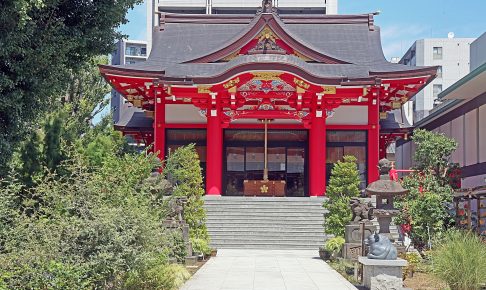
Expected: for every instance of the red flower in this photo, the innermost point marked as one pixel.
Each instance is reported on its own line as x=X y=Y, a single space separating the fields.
x=406 y=228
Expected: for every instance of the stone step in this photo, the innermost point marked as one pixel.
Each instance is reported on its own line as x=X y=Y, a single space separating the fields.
x=261 y=222
x=255 y=240
x=215 y=219
x=270 y=227
x=269 y=234
x=287 y=216
x=266 y=209
x=269 y=246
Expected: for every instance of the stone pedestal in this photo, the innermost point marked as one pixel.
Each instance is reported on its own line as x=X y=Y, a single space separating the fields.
x=351 y=251
x=352 y=236
x=373 y=268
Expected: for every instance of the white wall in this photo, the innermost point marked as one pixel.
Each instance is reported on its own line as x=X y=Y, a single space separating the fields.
x=482 y=134
x=349 y=115
x=478 y=52
x=471 y=138
x=457 y=133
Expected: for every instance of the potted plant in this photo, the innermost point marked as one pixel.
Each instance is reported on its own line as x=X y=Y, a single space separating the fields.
x=324 y=254
x=332 y=248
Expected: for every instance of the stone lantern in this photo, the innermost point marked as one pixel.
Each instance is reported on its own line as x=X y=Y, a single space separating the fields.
x=385 y=190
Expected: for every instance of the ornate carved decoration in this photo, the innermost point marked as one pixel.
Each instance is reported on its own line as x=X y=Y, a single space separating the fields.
x=231 y=83
x=301 y=83
x=203 y=89
x=266 y=86
x=267 y=76
x=329 y=90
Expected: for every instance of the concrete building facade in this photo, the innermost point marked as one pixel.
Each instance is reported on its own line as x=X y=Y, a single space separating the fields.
x=461 y=116
x=126 y=52
x=478 y=52
x=451 y=55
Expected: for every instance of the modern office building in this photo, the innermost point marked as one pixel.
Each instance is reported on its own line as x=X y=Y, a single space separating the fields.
x=126 y=52
x=451 y=55
x=155 y=7
x=270 y=100
x=462 y=116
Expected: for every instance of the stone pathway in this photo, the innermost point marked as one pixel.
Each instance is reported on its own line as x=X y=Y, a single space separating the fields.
x=267 y=270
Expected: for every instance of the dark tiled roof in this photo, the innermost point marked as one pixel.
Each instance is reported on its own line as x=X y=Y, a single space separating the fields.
x=134 y=119
x=349 y=39
x=395 y=122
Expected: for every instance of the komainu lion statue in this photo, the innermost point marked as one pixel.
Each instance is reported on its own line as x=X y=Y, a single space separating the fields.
x=361 y=211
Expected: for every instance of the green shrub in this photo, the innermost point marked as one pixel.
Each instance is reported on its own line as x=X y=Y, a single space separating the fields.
x=343 y=185
x=334 y=245
x=184 y=170
x=176 y=246
x=425 y=208
x=93 y=228
x=460 y=260
x=158 y=277
x=200 y=246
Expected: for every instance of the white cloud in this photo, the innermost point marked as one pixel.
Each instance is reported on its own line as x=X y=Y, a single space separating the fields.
x=397 y=38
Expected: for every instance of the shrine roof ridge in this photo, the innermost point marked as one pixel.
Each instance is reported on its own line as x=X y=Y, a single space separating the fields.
x=166 y=17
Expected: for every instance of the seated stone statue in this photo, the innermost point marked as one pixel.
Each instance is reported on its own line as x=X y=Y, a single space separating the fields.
x=380 y=247
x=361 y=211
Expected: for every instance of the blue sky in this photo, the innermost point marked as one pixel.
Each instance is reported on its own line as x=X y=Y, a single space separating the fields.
x=401 y=21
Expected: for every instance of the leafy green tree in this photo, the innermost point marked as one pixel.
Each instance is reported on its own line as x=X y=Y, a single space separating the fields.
x=42 y=44
x=343 y=185
x=69 y=124
x=183 y=168
x=427 y=208
x=433 y=152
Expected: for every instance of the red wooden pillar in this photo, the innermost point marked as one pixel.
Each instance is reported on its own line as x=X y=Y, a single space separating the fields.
x=214 y=157
x=317 y=154
x=374 y=136
x=159 y=124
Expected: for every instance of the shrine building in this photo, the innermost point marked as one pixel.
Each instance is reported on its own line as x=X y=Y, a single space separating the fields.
x=270 y=101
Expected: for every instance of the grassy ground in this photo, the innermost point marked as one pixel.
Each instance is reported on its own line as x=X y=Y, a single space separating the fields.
x=424 y=281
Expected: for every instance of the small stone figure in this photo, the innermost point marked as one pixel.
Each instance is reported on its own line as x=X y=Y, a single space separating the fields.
x=361 y=211
x=157 y=185
x=384 y=166
x=380 y=247
x=267 y=6
x=176 y=210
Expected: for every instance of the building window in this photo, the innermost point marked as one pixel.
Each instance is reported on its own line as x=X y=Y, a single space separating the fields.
x=341 y=143
x=437 y=52
x=143 y=51
x=439 y=72
x=131 y=50
x=437 y=89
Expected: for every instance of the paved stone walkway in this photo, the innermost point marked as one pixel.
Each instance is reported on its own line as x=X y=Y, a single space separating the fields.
x=267 y=270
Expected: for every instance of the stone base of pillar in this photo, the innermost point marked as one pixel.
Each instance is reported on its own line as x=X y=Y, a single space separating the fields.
x=373 y=268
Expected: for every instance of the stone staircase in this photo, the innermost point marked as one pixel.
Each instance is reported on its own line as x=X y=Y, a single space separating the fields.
x=265 y=222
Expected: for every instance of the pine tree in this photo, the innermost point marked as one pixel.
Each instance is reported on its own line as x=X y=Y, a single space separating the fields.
x=30 y=154
x=52 y=142
x=343 y=185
